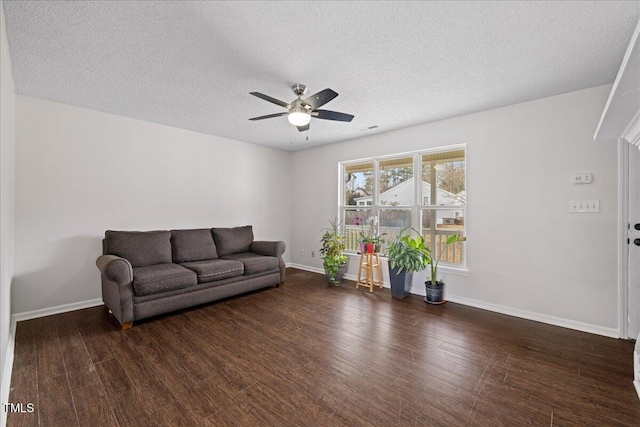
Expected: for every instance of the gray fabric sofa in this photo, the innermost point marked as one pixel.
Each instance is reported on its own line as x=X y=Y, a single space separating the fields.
x=147 y=273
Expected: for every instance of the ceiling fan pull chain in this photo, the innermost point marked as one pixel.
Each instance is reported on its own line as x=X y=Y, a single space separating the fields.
x=293 y=134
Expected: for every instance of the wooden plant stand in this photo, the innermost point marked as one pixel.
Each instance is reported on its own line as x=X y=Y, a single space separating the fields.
x=370 y=263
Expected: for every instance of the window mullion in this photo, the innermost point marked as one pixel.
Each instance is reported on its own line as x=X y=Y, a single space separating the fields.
x=432 y=213
x=341 y=196
x=417 y=192
x=376 y=190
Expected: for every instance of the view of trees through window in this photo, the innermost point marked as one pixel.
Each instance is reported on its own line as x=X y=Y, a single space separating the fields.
x=358 y=184
x=395 y=180
x=386 y=188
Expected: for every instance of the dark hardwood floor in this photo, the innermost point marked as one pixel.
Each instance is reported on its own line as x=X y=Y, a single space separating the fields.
x=306 y=354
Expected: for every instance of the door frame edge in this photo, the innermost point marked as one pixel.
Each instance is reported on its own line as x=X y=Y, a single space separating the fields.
x=623 y=235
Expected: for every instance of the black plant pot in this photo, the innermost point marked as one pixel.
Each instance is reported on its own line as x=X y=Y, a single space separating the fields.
x=435 y=293
x=400 y=283
x=341 y=272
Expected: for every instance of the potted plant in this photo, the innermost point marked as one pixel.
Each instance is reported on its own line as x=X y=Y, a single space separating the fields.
x=366 y=244
x=334 y=260
x=362 y=239
x=435 y=287
x=370 y=241
x=406 y=255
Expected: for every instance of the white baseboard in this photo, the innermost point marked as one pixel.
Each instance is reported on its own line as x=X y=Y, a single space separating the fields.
x=537 y=317
x=7 y=369
x=27 y=315
x=306 y=268
x=529 y=315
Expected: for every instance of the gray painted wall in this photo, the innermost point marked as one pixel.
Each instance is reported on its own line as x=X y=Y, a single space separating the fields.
x=80 y=172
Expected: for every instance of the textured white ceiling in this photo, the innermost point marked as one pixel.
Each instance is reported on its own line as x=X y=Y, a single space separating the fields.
x=394 y=64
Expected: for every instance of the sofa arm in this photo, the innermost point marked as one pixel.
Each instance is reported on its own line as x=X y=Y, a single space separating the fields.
x=275 y=249
x=268 y=248
x=115 y=269
x=117 y=287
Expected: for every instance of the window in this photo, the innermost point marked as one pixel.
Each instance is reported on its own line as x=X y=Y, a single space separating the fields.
x=444 y=179
x=396 y=196
x=425 y=190
x=357 y=196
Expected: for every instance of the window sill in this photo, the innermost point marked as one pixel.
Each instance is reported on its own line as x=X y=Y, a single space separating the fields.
x=447 y=269
x=457 y=271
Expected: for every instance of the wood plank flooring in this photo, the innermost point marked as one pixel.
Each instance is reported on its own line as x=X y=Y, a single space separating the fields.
x=306 y=354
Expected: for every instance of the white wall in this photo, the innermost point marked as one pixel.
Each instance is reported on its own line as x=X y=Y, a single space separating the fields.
x=526 y=254
x=80 y=172
x=7 y=155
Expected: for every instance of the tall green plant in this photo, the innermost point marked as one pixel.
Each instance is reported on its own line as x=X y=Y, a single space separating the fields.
x=454 y=238
x=408 y=253
x=333 y=246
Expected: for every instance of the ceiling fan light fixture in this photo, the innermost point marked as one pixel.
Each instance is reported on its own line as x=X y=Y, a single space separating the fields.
x=298 y=118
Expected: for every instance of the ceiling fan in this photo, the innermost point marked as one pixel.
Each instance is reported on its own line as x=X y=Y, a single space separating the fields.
x=301 y=110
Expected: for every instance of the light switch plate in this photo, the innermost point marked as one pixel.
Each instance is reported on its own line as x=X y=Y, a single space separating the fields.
x=584 y=206
x=582 y=178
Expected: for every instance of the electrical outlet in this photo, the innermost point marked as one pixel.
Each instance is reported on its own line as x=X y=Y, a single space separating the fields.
x=582 y=178
x=313 y=254
x=301 y=252
x=584 y=206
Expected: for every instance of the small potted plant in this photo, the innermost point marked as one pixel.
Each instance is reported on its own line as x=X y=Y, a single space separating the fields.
x=406 y=255
x=366 y=244
x=378 y=241
x=370 y=241
x=435 y=287
x=334 y=260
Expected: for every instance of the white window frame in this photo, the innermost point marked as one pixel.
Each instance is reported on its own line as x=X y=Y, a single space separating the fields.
x=417 y=207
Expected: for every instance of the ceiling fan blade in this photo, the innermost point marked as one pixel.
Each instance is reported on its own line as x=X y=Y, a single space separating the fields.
x=331 y=115
x=270 y=99
x=269 y=116
x=303 y=128
x=320 y=98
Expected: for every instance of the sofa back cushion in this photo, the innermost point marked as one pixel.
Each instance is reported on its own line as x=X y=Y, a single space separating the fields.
x=140 y=248
x=193 y=245
x=233 y=240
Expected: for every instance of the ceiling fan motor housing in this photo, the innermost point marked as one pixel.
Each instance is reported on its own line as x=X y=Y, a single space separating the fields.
x=300 y=106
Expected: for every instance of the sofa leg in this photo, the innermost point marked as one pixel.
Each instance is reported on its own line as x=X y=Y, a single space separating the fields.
x=127 y=325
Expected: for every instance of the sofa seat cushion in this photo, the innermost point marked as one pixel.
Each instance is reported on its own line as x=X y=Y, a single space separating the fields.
x=254 y=263
x=155 y=279
x=193 y=245
x=215 y=269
